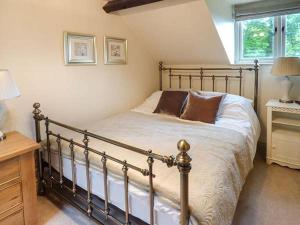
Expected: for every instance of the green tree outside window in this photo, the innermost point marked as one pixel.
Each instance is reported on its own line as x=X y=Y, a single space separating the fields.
x=258 y=38
x=292 y=42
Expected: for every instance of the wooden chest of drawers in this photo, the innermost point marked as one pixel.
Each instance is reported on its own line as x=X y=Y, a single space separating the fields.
x=17 y=180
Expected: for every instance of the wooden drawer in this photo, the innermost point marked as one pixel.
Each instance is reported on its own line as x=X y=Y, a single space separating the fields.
x=10 y=169
x=16 y=218
x=10 y=196
x=17 y=187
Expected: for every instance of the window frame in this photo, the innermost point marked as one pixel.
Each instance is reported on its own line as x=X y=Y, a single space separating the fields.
x=279 y=41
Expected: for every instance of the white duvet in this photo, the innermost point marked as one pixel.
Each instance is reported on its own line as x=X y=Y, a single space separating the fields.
x=222 y=155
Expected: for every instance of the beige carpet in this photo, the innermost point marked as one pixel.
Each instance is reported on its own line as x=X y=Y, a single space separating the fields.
x=58 y=213
x=271 y=196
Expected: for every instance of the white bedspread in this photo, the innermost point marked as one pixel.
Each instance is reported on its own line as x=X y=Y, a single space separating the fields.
x=222 y=158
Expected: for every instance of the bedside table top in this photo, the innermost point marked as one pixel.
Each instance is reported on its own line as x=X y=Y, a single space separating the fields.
x=16 y=144
x=288 y=106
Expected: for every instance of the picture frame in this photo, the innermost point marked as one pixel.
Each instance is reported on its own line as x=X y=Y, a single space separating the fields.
x=80 y=49
x=115 y=51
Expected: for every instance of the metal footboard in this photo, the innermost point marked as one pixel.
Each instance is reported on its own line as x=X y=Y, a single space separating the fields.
x=182 y=161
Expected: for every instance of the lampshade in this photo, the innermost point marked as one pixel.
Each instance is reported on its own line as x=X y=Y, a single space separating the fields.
x=8 y=87
x=286 y=66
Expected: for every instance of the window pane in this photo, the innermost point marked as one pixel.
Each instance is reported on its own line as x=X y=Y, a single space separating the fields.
x=292 y=40
x=258 y=38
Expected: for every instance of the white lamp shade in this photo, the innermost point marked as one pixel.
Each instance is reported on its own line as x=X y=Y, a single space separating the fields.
x=286 y=66
x=8 y=87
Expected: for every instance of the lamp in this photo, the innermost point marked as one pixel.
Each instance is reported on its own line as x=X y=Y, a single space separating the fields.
x=8 y=90
x=285 y=67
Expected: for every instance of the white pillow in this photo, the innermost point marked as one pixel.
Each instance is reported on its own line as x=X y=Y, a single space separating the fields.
x=230 y=103
x=149 y=105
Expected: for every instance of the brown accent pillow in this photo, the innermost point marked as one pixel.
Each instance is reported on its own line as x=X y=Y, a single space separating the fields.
x=199 y=108
x=171 y=102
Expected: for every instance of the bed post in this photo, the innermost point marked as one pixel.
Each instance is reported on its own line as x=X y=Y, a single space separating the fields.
x=160 y=74
x=184 y=166
x=256 y=66
x=37 y=116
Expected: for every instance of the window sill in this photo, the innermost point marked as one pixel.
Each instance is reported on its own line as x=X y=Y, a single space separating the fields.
x=251 y=63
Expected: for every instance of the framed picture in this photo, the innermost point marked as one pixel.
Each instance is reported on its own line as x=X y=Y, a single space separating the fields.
x=80 y=49
x=115 y=50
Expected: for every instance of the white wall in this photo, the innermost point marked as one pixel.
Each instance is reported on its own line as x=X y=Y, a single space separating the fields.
x=31 y=47
x=221 y=12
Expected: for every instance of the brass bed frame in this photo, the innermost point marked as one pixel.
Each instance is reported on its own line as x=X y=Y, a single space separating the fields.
x=54 y=182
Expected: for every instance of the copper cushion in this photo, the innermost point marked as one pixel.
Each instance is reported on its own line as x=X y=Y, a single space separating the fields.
x=199 y=108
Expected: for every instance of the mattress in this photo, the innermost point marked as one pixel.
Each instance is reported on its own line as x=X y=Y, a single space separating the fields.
x=222 y=157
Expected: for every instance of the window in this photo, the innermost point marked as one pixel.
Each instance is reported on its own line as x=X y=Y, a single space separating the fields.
x=267 y=38
x=258 y=38
x=292 y=37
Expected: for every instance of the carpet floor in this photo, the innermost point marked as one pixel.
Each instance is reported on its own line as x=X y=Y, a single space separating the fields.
x=271 y=196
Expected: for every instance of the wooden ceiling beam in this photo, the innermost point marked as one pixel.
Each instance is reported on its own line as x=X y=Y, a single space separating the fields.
x=117 y=5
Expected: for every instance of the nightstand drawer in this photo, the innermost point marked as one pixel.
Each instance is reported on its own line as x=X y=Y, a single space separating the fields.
x=16 y=218
x=10 y=169
x=10 y=196
x=285 y=146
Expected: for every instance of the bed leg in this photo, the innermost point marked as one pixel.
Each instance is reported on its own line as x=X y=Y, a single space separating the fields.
x=184 y=166
x=37 y=118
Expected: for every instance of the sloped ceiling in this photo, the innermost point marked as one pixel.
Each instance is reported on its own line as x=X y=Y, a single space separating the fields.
x=177 y=32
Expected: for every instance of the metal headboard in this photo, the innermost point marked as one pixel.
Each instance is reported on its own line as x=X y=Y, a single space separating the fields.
x=178 y=72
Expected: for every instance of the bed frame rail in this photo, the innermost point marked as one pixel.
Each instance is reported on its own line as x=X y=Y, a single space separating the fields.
x=182 y=161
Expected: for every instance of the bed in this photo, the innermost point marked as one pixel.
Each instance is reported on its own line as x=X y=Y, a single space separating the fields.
x=122 y=169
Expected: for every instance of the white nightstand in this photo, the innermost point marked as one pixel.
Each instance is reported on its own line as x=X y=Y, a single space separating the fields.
x=283 y=134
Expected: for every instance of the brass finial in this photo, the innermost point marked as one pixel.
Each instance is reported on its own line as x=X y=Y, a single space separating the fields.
x=160 y=65
x=256 y=63
x=36 y=107
x=37 y=112
x=183 y=159
x=183 y=145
